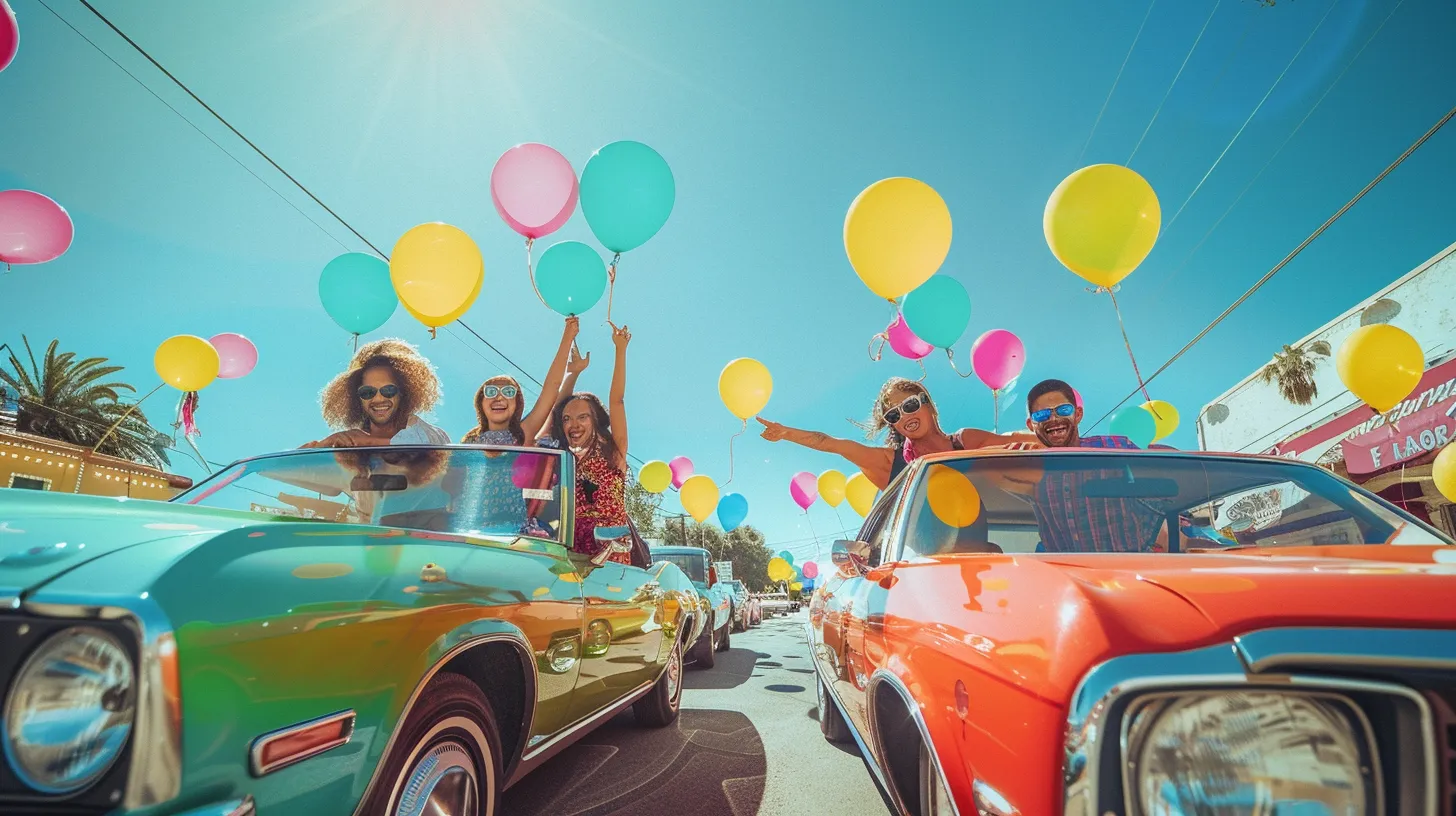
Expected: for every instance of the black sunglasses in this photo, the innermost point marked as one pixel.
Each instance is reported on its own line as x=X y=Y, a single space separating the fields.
x=367 y=392
x=909 y=406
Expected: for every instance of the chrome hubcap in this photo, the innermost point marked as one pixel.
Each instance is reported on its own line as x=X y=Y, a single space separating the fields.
x=442 y=783
x=674 y=674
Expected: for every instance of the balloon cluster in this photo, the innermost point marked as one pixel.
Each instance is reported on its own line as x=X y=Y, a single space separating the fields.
x=189 y=364
x=436 y=270
x=698 y=493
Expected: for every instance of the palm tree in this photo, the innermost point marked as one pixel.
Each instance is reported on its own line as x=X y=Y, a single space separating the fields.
x=1292 y=370
x=70 y=400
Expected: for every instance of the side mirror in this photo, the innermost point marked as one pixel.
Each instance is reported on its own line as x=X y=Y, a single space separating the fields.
x=851 y=558
x=612 y=540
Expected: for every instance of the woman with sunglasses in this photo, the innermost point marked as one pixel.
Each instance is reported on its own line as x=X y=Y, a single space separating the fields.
x=500 y=405
x=904 y=408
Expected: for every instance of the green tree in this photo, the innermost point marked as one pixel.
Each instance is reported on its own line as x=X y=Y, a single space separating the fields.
x=744 y=546
x=642 y=507
x=72 y=401
x=1292 y=371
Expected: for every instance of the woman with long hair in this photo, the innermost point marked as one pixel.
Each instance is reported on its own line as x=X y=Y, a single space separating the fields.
x=597 y=436
x=905 y=410
x=500 y=404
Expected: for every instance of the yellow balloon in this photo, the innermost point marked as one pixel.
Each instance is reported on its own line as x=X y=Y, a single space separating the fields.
x=1381 y=365
x=1101 y=222
x=1443 y=472
x=861 y=493
x=952 y=497
x=795 y=586
x=437 y=271
x=897 y=234
x=832 y=485
x=699 y=496
x=655 y=476
x=745 y=386
x=187 y=362
x=1165 y=417
x=779 y=569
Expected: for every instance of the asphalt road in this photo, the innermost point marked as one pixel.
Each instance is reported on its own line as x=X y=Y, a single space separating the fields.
x=747 y=742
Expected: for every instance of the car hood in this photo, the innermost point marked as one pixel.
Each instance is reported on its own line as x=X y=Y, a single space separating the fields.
x=43 y=535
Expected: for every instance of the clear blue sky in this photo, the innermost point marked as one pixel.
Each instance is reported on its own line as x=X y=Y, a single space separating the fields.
x=773 y=116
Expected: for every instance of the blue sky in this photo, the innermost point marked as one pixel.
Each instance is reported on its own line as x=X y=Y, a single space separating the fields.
x=773 y=117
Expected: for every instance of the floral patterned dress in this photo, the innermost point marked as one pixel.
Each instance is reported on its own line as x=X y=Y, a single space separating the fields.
x=601 y=501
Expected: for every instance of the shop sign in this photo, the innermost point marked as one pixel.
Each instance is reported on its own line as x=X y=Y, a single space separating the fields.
x=1402 y=441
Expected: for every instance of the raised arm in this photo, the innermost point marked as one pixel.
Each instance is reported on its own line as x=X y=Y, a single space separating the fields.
x=973 y=438
x=874 y=460
x=617 y=396
x=576 y=364
x=541 y=411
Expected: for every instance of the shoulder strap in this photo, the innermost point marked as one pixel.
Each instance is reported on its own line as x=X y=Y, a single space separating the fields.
x=899 y=464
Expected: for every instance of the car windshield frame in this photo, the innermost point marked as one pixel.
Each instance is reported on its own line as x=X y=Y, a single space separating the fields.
x=1363 y=507
x=560 y=505
x=673 y=558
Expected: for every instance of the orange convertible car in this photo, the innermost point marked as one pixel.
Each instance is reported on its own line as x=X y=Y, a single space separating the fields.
x=1097 y=632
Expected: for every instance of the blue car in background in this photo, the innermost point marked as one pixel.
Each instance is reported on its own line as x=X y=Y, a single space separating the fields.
x=696 y=563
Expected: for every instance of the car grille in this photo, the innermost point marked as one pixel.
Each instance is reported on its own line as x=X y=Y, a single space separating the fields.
x=1443 y=707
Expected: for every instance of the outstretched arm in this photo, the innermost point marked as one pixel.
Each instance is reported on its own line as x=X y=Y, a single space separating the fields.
x=541 y=411
x=974 y=438
x=575 y=364
x=874 y=461
x=617 y=397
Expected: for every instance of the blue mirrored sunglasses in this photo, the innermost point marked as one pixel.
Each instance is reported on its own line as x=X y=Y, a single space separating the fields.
x=1066 y=409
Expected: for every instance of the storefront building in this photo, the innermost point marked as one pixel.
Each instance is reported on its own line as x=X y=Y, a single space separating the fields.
x=1391 y=453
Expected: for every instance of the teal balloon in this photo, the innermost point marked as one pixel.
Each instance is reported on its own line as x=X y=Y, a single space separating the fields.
x=732 y=510
x=938 y=311
x=1136 y=423
x=787 y=556
x=357 y=293
x=571 y=277
x=627 y=193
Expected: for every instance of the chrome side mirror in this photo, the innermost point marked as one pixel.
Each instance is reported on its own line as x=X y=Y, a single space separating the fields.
x=851 y=558
x=611 y=540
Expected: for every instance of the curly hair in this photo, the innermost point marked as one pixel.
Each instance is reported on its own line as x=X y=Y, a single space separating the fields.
x=876 y=423
x=419 y=385
x=482 y=423
x=604 y=444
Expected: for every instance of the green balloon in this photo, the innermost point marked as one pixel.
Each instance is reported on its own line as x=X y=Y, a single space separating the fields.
x=627 y=193
x=571 y=277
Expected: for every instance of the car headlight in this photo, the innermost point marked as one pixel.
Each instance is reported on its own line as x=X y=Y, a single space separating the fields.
x=70 y=710
x=1249 y=753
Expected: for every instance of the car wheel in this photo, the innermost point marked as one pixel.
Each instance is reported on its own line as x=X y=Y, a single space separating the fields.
x=659 y=708
x=447 y=758
x=727 y=636
x=831 y=721
x=702 y=653
x=934 y=798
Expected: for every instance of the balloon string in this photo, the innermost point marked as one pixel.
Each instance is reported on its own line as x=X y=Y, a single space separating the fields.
x=612 y=283
x=531 y=273
x=996 y=410
x=1128 y=345
x=923 y=373
x=877 y=353
x=432 y=333
x=356 y=342
x=730 y=450
x=950 y=355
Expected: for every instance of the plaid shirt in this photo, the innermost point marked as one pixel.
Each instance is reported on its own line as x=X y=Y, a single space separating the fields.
x=1071 y=522
x=1108 y=442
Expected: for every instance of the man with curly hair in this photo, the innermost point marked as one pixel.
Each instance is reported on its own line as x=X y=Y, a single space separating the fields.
x=378 y=400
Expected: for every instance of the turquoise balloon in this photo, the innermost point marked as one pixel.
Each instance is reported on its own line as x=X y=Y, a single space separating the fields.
x=1135 y=423
x=627 y=194
x=938 y=311
x=571 y=277
x=732 y=510
x=357 y=293
x=787 y=556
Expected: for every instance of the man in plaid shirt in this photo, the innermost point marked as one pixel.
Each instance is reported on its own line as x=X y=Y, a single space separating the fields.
x=1068 y=520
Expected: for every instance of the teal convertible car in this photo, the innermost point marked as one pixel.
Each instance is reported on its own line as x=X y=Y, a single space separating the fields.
x=396 y=630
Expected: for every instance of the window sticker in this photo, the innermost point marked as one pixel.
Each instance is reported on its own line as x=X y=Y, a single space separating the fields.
x=533 y=493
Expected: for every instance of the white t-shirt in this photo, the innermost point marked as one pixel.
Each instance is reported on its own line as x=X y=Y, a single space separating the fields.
x=420 y=432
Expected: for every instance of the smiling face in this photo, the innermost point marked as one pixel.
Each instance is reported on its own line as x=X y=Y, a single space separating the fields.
x=493 y=404
x=578 y=423
x=896 y=409
x=385 y=393
x=1056 y=431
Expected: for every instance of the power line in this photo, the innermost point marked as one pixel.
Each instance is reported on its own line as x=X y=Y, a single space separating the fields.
x=1290 y=257
x=1115 y=82
x=1173 y=84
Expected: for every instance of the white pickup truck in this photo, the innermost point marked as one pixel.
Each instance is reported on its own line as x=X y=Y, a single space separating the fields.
x=775 y=603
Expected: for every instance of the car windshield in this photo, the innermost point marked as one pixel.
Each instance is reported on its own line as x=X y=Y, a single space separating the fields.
x=1147 y=502
x=694 y=566
x=468 y=491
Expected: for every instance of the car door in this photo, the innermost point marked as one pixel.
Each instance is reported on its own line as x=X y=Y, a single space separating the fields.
x=622 y=643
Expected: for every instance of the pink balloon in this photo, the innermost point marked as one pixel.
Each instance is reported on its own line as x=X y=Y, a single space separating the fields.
x=997 y=357
x=904 y=341
x=33 y=228
x=682 y=470
x=238 y=354
x=526 y=470
x=804 y=488
x=811 y=569
x=534 y=189
x=1077 y=397
x=9 y=35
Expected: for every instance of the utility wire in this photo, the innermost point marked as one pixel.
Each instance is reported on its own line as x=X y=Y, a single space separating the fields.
x=1115 y=82
x=1174 y=83
x=1290 y=257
